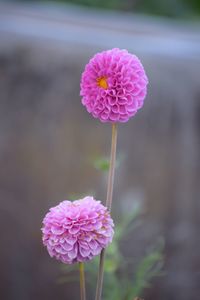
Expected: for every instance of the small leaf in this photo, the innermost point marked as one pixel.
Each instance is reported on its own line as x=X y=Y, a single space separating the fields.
x=110 y=266
x=102 y=164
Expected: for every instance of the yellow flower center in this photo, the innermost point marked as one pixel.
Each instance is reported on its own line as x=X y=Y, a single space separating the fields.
x=102 y=82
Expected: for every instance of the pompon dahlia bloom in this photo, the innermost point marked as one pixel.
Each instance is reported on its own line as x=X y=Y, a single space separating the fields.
x=113 y=85
x=76 y=231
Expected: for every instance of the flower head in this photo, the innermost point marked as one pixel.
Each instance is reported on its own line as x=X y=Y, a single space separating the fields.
x=76 y=231
x=113 y=85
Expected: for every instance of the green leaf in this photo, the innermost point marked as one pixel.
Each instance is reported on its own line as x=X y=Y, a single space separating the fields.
x=149 y=267
x=102 y=164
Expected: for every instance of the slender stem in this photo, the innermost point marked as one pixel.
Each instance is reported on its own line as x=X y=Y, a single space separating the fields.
x=100 y=276
x=108 y=204
x=82 y=281
x=112 y=167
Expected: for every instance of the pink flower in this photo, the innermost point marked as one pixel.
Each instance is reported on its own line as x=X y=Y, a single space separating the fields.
x=76 y=231
x=113 y=85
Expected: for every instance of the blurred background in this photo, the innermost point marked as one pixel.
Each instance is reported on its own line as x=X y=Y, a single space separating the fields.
x=49 y=143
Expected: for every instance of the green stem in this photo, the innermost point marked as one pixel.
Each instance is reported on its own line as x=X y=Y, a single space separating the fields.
x=112 y=167
x=82 y=281
x=108 y=204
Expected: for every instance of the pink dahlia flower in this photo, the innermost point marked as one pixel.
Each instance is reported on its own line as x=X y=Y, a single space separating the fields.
x=76 y=231
x=113 y=85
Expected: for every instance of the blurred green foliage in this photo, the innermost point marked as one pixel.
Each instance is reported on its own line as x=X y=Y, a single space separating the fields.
x=103 y=163
x=123 y=279
x=170 y=8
